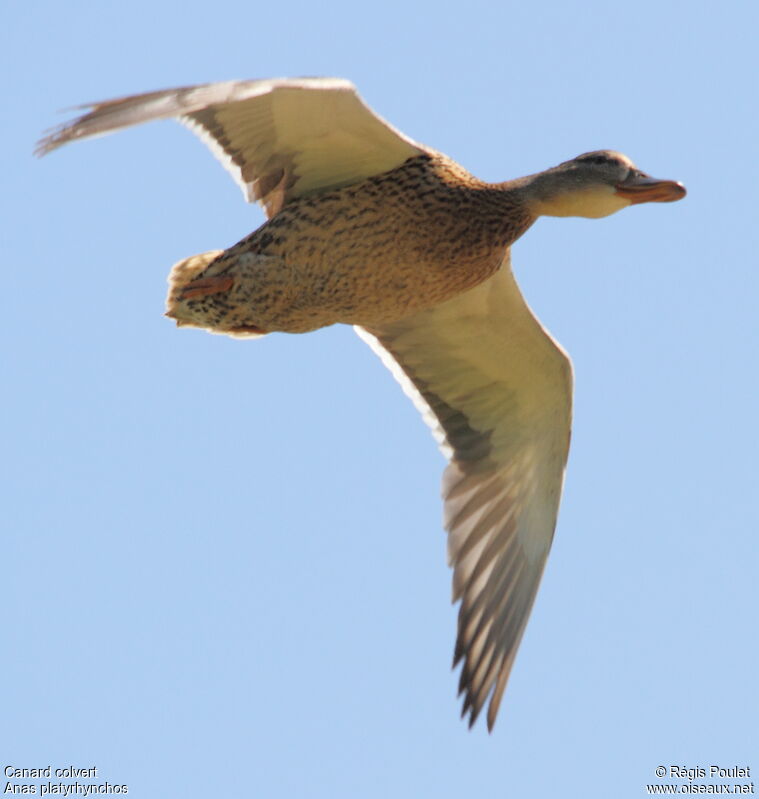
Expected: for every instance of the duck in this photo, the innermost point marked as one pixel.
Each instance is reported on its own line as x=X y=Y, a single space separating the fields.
x=368 y=227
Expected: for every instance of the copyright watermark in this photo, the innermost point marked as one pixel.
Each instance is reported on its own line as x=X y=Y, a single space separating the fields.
x=702 y=779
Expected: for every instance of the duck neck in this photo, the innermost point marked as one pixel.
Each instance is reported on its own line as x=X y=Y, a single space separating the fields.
x=491 y=214
x=533 y=193
x=563 y=192
x=507 y=212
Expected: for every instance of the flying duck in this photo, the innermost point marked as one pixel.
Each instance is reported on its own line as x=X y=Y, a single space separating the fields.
x=370 y=228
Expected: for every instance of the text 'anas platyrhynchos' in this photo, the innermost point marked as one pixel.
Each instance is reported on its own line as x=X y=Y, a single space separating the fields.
x=367 y=227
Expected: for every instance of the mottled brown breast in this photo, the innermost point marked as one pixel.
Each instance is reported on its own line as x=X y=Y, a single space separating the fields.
x=378 y=250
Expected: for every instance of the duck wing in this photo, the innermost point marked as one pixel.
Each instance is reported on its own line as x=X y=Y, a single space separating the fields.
x=496 y=390
x=280 y=139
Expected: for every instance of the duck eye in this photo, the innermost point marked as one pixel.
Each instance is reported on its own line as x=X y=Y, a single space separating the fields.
x=596 y=159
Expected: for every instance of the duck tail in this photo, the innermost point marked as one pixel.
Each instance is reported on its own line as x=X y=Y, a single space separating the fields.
x=192 y=300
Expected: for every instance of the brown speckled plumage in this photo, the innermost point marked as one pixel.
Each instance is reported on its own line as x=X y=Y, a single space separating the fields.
x=363 y=254
x=371 y=228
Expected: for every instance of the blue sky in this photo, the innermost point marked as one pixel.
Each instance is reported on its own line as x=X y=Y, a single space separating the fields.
x=224 y=565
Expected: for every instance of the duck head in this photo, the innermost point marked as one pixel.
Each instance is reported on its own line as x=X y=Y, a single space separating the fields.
x=594 y=185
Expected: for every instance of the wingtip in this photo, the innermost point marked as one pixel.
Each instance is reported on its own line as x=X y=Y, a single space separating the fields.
x=45 y=145
x=56 y=137
x=472 y=710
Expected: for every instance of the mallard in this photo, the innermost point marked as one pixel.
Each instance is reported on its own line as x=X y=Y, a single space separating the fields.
x=368 y=227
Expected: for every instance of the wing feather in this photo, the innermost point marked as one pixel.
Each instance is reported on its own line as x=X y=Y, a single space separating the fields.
x=496 y=391
x=279 y=139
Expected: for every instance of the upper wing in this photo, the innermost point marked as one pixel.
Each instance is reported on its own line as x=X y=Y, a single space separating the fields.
x=280 y=138
x=497 y=392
